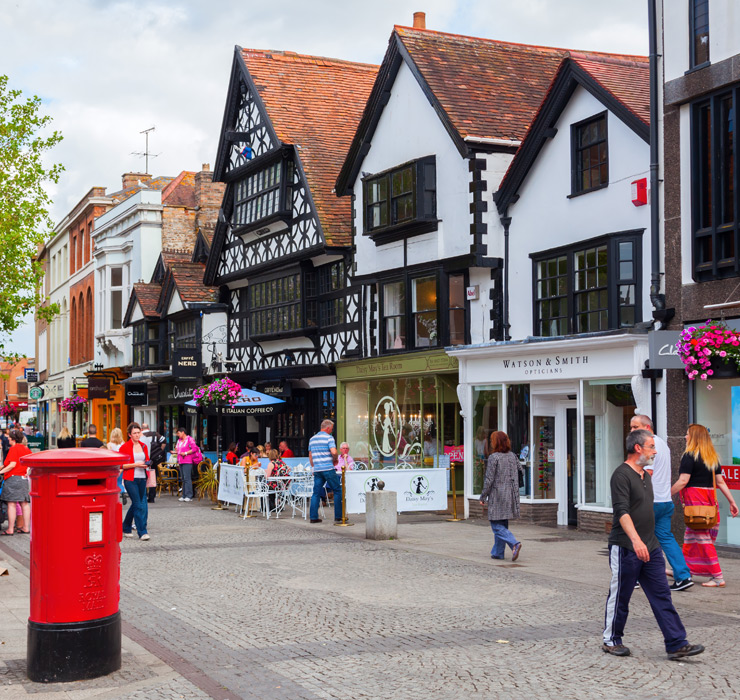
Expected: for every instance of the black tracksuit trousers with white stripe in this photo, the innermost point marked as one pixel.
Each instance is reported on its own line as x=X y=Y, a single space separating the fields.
x=627 y=570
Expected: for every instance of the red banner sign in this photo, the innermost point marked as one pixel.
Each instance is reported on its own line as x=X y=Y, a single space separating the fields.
x=457 y=453
x=731 y=473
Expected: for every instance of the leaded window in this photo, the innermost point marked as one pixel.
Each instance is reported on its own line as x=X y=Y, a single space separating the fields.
x=275 y=305
x=146 y=345
x=590 y=155
x=588 y=288
x=262 y=194
x=403 y=199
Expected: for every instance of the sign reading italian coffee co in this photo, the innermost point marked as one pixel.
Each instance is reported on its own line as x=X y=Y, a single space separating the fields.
x=136 y=394
x=186 y=364
x=98 y=388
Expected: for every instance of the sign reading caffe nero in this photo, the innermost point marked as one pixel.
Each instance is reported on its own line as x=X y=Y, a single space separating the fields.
x=186 y=364
x=136 y=394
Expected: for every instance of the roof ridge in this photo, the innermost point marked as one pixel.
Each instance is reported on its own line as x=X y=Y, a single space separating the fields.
x=279 y=54
x=612 y=59
x=554 y=49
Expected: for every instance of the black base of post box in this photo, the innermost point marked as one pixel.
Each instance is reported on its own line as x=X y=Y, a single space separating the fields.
x=73 y=651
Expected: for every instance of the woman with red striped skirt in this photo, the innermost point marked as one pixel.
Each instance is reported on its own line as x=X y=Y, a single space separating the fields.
x=700 y=470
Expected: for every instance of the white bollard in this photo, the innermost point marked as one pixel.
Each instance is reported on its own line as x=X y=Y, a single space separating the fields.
x=381 y=518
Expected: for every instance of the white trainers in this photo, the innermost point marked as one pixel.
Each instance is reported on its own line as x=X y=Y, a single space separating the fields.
x=187 y=499
x=181 y=499
x=128 y=534
x=144 y=537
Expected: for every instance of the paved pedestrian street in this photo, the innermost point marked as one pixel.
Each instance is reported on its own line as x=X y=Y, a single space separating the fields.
x=216 y=606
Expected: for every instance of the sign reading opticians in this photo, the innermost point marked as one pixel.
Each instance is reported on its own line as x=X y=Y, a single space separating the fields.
x=663 y=351
x=136 y=394
x=186 y=364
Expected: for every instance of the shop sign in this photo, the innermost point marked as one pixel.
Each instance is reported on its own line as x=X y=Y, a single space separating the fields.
x=231 y=484
x=416 y=489
x=393 y=367
x=457 y=454
x=32 y=376
x=35 y=392
x=54 y=391
x=135 y=394
x=663 y=351
x=731 y=475
x=186 y=364
x=235 y=410
x=98 y=388
x=275 y=389
x=177 y=392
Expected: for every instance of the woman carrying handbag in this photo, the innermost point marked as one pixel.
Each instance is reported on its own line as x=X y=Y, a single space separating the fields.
x=700 y=475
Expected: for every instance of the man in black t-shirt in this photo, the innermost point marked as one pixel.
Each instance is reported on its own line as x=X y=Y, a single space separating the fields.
x=92 y=438
x=635 y=554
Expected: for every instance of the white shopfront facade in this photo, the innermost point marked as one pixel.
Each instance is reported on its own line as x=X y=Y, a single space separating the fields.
x=566 y=406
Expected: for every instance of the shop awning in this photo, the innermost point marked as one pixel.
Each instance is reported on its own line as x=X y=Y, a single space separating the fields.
x=250 y=402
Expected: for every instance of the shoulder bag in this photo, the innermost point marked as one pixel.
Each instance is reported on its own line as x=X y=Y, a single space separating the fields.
x=702 y=517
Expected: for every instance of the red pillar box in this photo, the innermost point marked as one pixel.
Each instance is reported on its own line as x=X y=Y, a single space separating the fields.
x=74 y=630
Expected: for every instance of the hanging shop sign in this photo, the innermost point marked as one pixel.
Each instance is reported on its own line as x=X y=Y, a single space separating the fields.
x=186 y=364
x=416 y=489
x=32 y=376
x=663 y=351
x=35 y=392
x=135 y=394
x=98 y=388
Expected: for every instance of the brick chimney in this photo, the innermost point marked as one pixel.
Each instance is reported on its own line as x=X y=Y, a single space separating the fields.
x=420 y=20
x=208 y=198
x=133 y=179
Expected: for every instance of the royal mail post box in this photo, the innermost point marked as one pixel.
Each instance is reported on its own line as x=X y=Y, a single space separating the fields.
x=74 y=629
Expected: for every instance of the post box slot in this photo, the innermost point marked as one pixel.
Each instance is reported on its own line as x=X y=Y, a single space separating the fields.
x=91 y=482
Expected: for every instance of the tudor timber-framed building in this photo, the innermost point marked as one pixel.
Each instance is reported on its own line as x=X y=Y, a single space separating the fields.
x=281 y=250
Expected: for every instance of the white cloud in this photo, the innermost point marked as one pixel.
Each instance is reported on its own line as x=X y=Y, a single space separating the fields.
x=106 y=70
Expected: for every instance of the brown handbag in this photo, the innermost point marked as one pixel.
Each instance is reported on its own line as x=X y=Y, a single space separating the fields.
x=702 y=517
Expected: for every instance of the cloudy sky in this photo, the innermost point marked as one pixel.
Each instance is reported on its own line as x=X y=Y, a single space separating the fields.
x=106 y=70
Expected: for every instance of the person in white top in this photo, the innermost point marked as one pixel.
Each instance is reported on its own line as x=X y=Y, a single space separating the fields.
x=663 y=507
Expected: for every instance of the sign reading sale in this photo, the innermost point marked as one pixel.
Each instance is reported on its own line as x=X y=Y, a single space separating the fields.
x=731 y=474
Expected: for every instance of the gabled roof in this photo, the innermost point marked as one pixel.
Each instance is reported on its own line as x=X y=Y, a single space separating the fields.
x=146 y=295
x=187 y=279
x=314 y=104
x=621 y=84
x=484 y=91
x=181 y=191
x=202 y=246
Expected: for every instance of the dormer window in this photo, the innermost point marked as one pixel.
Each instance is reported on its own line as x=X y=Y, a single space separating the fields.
x=401 y=202
x=263 y=198
x=590 y=169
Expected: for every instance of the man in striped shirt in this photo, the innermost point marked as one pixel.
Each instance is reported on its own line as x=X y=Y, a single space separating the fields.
x=323 y=455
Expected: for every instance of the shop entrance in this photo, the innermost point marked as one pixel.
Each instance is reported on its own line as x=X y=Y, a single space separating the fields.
x=555 y=455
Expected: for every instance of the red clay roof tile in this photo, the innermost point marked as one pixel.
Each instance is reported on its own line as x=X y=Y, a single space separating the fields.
x=315 y=103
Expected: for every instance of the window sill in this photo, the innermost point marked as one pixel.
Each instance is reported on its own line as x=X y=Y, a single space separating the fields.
x=701 y=66
x=391 y=234
x=308 y=331
x=263 y=227
x=572 y=195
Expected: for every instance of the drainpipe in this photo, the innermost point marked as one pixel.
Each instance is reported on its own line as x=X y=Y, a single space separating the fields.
x=660 y=313
x=506 y=222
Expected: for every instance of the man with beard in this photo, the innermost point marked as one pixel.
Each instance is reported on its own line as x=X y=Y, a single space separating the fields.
x=635 y=554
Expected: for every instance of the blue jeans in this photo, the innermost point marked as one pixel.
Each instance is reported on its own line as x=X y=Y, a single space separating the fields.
x=138 y=511
x=501 y=537
x=186 y=473
x=329 y=478
x=673 y=553
x=627 y=570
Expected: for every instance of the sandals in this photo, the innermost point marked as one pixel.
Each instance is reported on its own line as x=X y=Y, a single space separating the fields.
x=714 y=583
x=5 y=533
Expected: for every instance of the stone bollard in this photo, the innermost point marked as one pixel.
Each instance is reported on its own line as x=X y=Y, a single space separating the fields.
x=381 y=518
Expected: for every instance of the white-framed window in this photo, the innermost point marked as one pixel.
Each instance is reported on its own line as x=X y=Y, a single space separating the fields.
x=116 y=296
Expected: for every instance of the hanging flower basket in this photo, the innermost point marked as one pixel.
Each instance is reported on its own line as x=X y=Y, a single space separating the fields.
x=224 y=392
x=7 y=411
x=72 y=403
x=710 y=350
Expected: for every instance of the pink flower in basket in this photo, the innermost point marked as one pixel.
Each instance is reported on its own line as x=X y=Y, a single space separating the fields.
x=221 y=391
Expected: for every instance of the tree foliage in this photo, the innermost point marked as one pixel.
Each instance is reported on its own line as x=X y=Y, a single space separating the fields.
x=25 y=224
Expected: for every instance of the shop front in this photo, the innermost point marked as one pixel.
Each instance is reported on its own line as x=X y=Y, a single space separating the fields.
x=106 y=402
x=566 y=406
x=172 y=414
x=401 y=412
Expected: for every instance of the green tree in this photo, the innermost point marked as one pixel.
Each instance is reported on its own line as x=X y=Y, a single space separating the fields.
x=25 y=224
